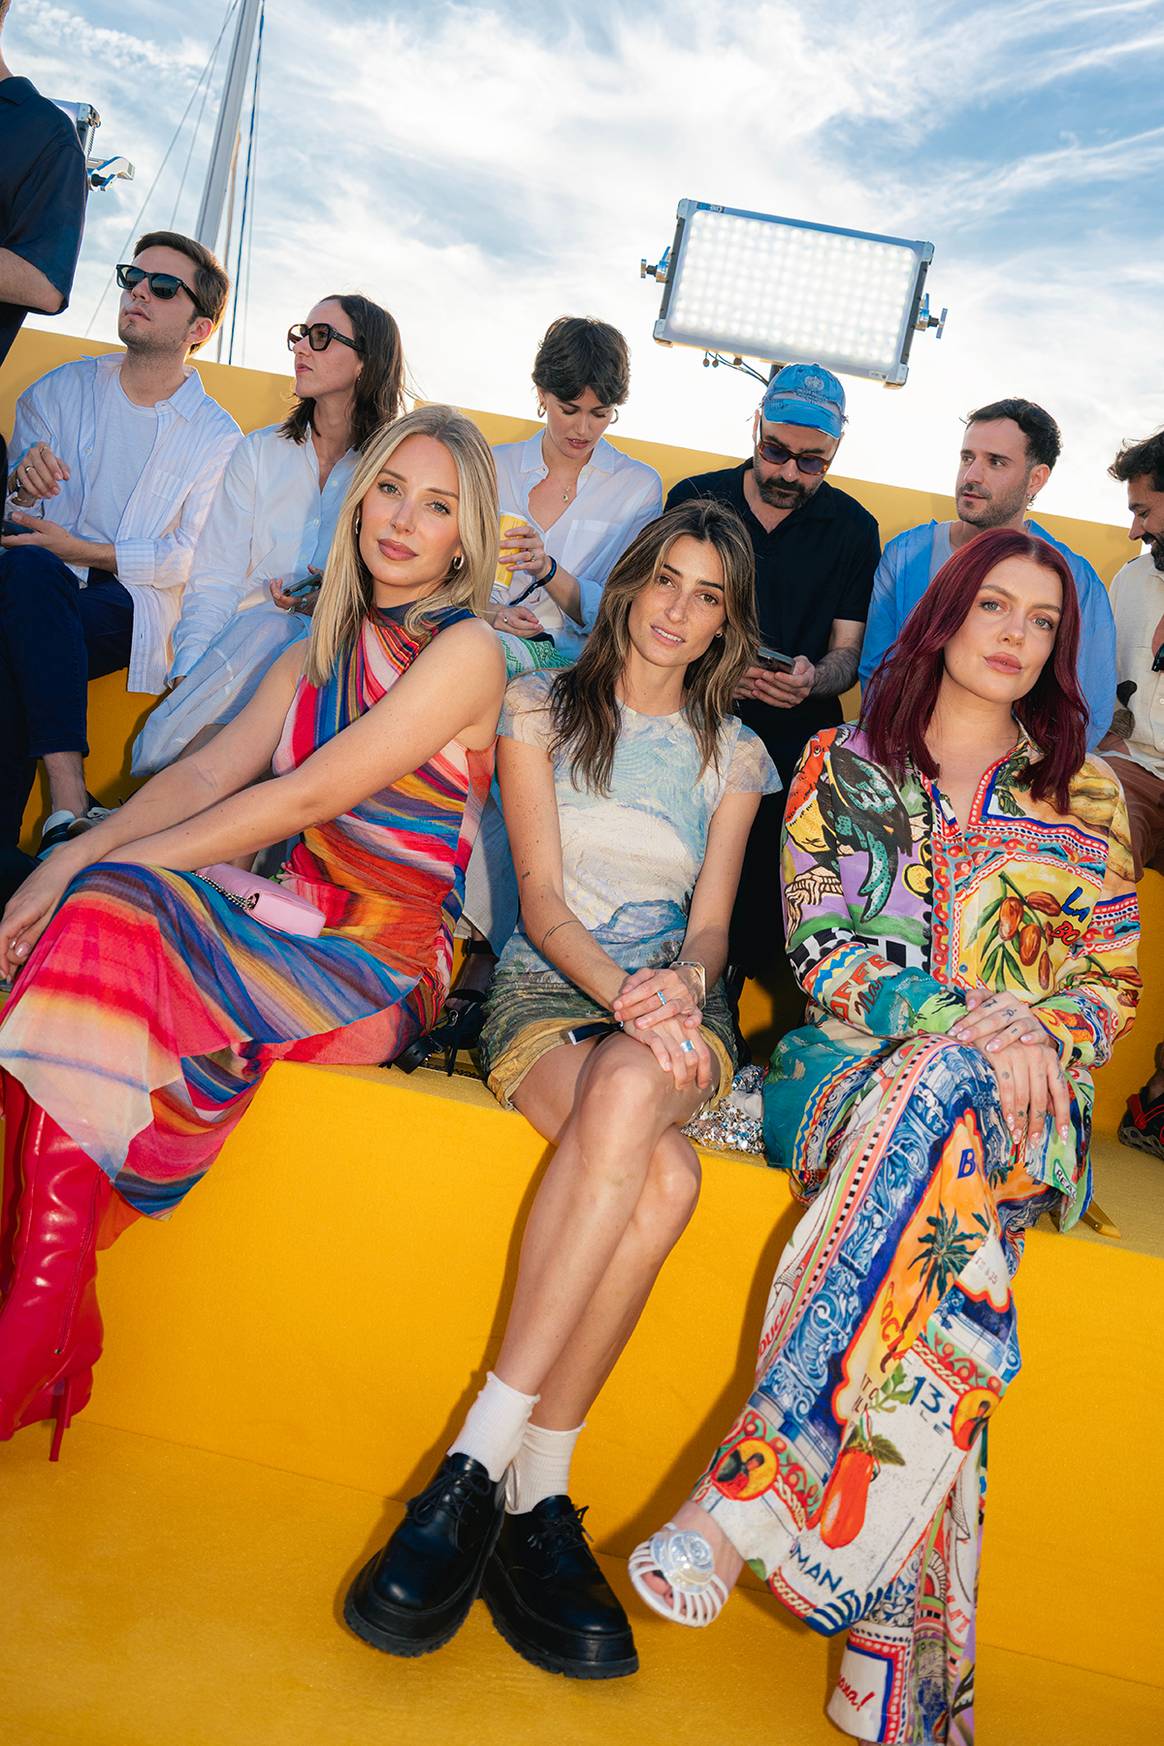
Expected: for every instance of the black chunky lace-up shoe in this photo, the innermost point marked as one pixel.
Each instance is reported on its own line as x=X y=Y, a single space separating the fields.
x=549 y=1599
x=415 y=1594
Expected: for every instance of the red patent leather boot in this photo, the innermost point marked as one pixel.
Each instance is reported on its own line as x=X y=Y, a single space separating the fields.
x=15 y=1101
x=50 y=1326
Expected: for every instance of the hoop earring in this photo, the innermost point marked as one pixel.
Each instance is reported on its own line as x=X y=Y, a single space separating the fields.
x=614 y=416
x=718 y=635
x=541 y=409
x=458 y=563
x=358 y=523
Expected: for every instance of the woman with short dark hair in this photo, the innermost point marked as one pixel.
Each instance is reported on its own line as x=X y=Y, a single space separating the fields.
x=629 y=791
x=582 y=501
x=956 y=883
x=253 y=582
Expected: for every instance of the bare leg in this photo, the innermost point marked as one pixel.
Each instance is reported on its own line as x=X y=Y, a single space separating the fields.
x=66 y=781
x=606 y=1156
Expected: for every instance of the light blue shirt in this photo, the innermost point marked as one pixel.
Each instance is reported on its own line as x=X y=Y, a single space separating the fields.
x=909 y=564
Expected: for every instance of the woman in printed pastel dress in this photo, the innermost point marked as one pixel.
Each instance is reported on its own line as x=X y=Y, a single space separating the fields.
x=956 y=881
x=147 y=1007
x=629 y=790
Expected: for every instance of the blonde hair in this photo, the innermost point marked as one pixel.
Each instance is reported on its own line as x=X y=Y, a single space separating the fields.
x=345 y=595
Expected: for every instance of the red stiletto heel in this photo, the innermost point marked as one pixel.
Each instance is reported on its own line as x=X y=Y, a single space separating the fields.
x=64 y=1413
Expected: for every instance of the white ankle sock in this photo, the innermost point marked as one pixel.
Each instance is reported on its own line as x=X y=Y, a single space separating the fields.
x=492 y=1432
x=541 y=1468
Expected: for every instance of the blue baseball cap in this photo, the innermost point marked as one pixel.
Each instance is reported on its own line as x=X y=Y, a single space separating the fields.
x=805 y=394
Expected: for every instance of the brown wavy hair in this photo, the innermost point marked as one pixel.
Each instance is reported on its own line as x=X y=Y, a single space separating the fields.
x=378 y=396
x=584 y=698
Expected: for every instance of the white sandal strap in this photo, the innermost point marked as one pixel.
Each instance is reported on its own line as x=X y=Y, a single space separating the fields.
x=686 y=1563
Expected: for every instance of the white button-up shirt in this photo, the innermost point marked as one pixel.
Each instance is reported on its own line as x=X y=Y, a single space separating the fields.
x=268 y=519
x=1137 y=600
x=69 y=409
x=616 y=498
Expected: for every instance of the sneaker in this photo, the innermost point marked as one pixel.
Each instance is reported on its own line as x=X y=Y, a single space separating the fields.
x=88 y=819
x=1143 y=1126
x=58 y=828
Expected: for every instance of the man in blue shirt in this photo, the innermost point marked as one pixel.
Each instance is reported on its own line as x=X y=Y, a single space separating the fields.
x=1008 y=451
x=42 y=202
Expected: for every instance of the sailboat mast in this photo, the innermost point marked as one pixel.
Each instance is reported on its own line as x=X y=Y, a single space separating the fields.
x=226 y=132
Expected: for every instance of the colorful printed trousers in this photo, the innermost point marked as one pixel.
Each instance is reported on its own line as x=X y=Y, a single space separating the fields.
x=853 y=1482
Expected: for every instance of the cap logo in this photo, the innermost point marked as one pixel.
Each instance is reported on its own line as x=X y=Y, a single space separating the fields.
x=814 y=383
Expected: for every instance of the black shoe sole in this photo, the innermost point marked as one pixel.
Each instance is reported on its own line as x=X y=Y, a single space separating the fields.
x=1129 y=1134
x=393 y=1643
x=570 y=1666
x=409 y=1641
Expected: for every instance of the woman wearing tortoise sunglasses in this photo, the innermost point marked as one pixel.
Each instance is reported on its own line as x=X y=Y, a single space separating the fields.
x=270 y=527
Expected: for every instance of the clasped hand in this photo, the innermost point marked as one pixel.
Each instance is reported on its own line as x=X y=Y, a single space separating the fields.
x=658 y=1008
x=1024 y=1059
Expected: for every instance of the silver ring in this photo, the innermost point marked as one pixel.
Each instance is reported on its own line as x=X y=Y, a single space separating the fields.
x=687 y=1047
x=662 y=998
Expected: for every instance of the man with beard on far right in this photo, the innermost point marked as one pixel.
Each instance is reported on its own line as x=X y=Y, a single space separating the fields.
x=1135 y=746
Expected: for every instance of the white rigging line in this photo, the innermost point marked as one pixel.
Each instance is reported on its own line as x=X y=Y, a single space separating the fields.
x=251 y=231
x=133 y=232
x=244 y=234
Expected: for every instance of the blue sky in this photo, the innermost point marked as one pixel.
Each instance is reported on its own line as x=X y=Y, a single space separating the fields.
x=482 y=169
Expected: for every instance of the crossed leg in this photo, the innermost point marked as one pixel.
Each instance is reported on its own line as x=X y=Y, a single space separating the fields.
x=620 y=1190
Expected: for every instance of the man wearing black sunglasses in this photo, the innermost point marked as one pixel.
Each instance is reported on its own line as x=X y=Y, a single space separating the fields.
x=113 y=464
x=816 y=551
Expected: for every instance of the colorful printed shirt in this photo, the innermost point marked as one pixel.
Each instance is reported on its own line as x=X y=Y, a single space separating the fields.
x=892 y=910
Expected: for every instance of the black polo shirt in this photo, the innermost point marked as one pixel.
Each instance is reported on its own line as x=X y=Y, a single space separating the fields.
x=42 y=192
x=813 y=567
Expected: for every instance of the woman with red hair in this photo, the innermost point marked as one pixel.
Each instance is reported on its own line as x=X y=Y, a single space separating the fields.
x=958 y=906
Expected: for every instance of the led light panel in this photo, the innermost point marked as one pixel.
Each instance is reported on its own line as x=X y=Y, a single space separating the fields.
x=777 y=289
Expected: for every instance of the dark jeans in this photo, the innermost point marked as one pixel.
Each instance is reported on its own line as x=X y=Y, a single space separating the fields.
x=54 y=637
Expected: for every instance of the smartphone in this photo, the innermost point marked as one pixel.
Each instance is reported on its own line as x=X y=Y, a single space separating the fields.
x=297 y=590
x=773 y=658
x=13 y=527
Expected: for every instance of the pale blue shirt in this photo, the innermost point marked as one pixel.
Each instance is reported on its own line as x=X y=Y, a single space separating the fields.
x=909 y=564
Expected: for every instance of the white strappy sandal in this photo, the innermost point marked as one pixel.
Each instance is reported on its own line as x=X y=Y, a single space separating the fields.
x=686 y=1562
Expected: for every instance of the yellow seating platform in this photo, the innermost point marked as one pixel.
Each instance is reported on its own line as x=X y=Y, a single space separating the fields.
x=301 y=1339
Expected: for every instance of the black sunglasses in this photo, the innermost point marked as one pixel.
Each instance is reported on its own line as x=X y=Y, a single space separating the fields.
x=779 y=456
x=319 y=335
x=162 y=285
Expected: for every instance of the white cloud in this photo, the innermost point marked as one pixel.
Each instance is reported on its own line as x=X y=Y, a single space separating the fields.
x=482 y=170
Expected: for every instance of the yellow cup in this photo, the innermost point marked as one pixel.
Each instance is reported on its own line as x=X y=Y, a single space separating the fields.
x=504 y=576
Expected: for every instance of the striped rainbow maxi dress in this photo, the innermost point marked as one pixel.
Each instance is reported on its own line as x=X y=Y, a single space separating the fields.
x=151 y=1007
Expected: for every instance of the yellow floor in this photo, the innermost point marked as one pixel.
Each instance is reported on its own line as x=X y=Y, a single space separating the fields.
x=161 y=1596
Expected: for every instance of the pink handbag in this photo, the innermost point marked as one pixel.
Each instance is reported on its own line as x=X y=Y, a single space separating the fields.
x=268 y=902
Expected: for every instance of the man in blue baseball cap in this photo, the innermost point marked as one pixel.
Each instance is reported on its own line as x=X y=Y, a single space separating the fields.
x=816 y=552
